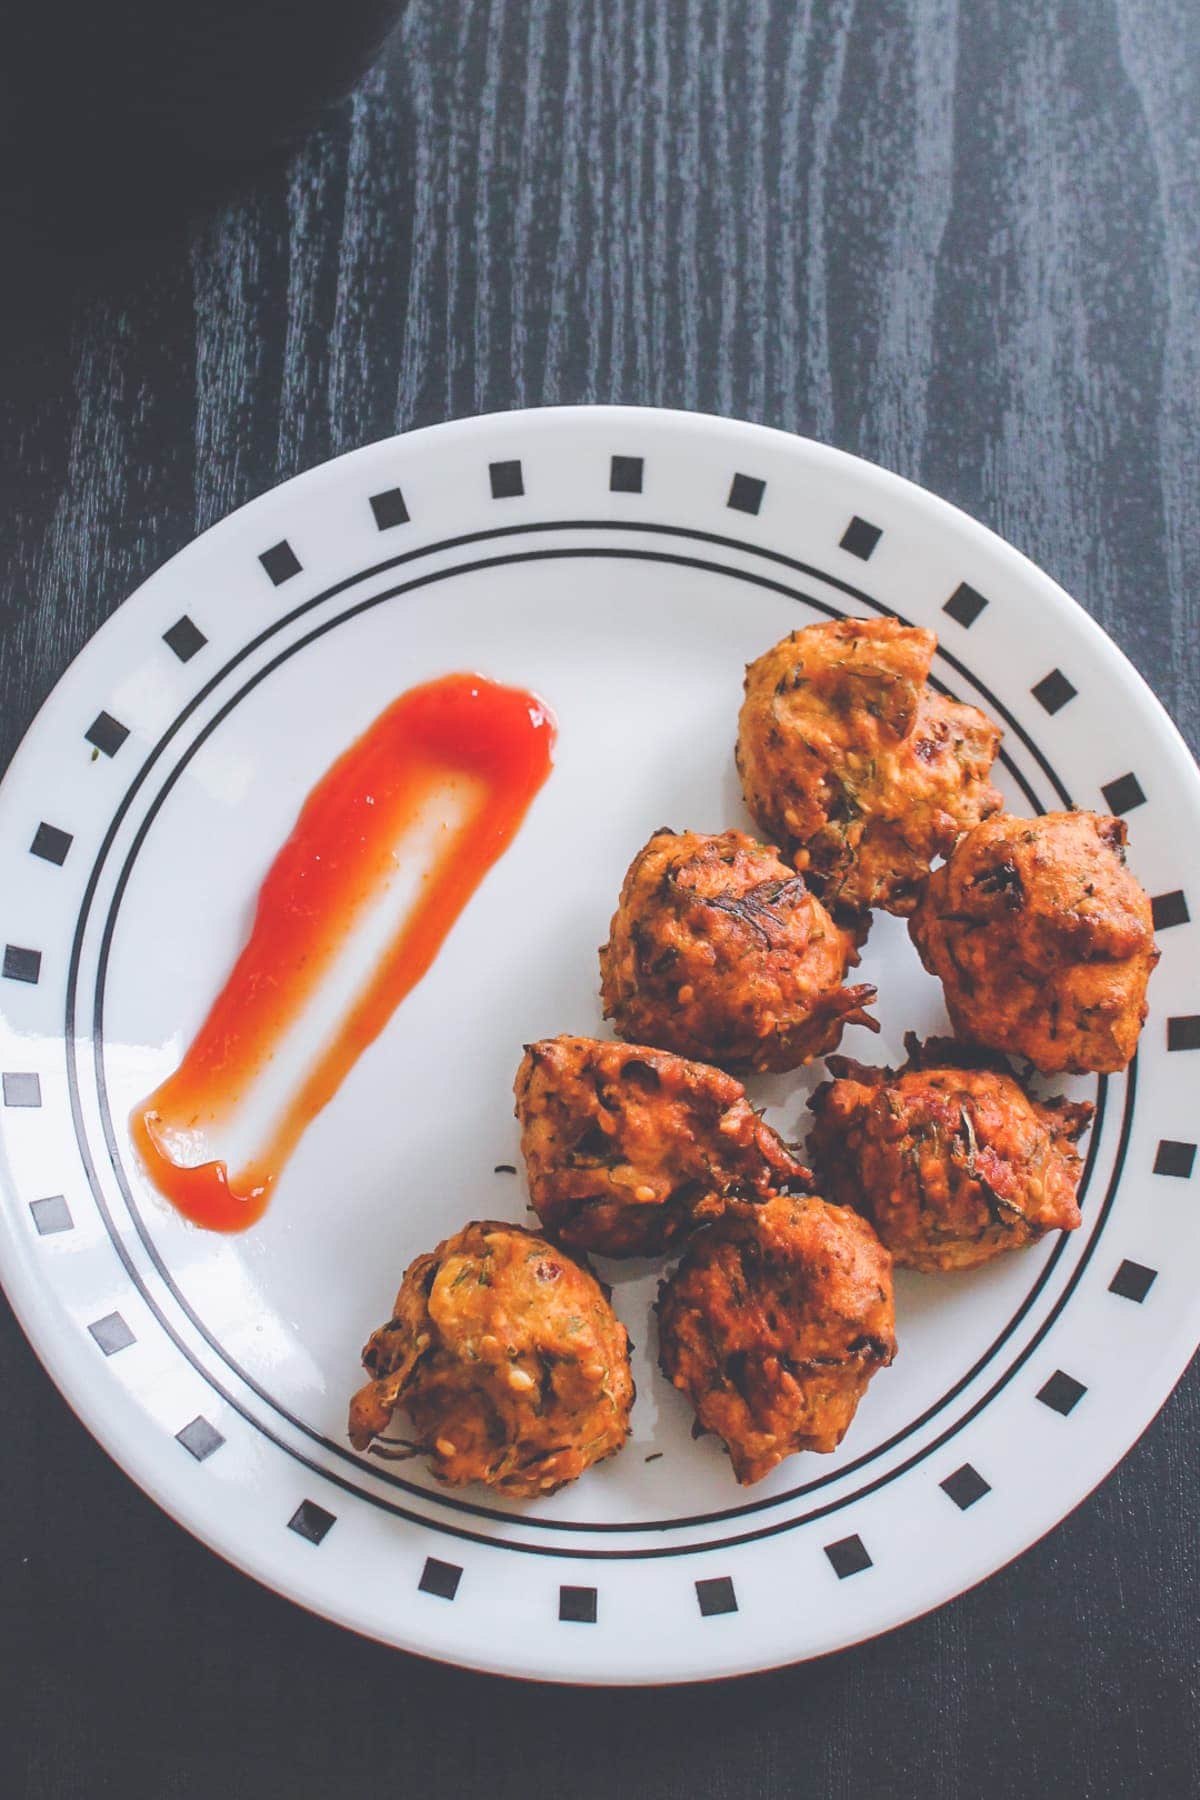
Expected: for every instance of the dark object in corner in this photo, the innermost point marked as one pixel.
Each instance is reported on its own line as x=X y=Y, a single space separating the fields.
x=132 y=103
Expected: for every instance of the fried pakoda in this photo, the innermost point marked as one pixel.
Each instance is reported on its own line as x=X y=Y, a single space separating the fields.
x=508 y=1360
x=1042 y=939
x=774 y=1323
x=856 y=767
x=949 y=1157
x=718 y=951
x=628 y=1147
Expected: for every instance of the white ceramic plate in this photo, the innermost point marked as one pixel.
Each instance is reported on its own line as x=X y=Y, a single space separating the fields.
x=626 y=564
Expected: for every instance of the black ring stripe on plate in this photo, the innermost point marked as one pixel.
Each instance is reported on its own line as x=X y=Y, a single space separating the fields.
x=628 y=1555
x=635 y=527
x=479 y=1510
x=337 y=1449
x=351 y=581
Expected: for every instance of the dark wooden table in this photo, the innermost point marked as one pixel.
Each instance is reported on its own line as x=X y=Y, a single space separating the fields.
x=960 y=238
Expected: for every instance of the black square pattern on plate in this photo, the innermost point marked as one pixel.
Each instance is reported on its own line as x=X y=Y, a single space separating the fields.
x=280 y=562
x=1062 y=1393
x=1123 y=794
x=625 y=474
x=1133 y=1281
x=965 y=605
x=22 y=965
x=112 y=1333
x=860 y=537
x=1174 y=1158
x=311 y=1521
x=848 y=1556
x=577 y=1605
x=746 y=493
x=508 y=483
x=51 y=1215
x=389 y=509
x=440 y=1578
x=1169 y=909
x=185 y=638
x=1053 y=691
x=106 y=733
x=1184 y=1033
x=715 y=1596
x=965 y=1487
x=21 y=1089
x=199 y=1438
x=50 y=844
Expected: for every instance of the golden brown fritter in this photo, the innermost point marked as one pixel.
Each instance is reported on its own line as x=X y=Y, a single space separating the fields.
x=949 y=1157
x=852 y=763
x=507 y=1358
x=719 y=952
x=1042 y=939
x=774 y=1323
x=628 y=1147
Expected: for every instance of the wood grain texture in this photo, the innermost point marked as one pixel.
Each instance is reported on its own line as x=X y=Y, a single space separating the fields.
x=961 y=237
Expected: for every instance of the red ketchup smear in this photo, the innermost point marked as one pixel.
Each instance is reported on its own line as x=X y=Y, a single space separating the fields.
x=338 y=859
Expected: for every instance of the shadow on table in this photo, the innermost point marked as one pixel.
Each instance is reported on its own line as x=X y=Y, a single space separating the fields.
x=67 y=239
x=120 y=124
